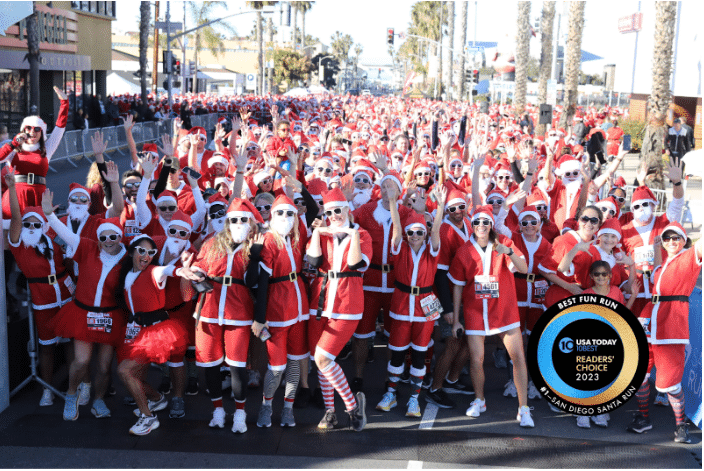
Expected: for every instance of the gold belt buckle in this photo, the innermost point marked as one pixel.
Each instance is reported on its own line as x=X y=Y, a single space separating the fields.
x=530 y=277
x=415 y=290
x=52 y=279
x=226 y=280
x=293 y=276
x=386 y=268
x=332 y=275
x=655 y=299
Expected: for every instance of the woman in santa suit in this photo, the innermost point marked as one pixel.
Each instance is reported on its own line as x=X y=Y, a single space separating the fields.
x=666 y=322
x=482 y=272
x=282 y=305
x=41 y=261
x=29 y=154
x=413 y=307
x=568 y=251
x=340 y=251
x=93 y=316
x=607 y=248
x=150 y=336
x=225 y=313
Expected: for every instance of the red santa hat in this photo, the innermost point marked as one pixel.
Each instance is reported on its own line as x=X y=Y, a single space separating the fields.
x=415 y=221
x=366 y=167
x=316 y=187
x=34 y=121
x=284 y=203
x=535 y=199
x=201 y=131
x=567 y=163
x=455 y=195
x=643 y=193
x=111 y=224
x=218 y=158
x=77 y=188
x=151 y=148
x=217 y=198
x=334 y=199
x=35 y=211
x=676 y=227
x=394 y=176
x=529 y=211
x=485 y=211
x=495 y=194
x=260 y=177
x=610 y=226
x=620 y=182
x=243 y=208
x=503 y=169
x=610 y=203
x=166 y=196
x=181 y=219
x=422 y=166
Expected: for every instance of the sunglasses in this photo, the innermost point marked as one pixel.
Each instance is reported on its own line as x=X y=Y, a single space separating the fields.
x=526 y=223
x=281 y=212
x=29 y=129
x=250 y=148
x=143 y=251
x=620 y=199
x=167 y=208
x=361 y=180
x=337 y=211
x=461 y=207
x=674 y=238
x=266 y=207
x=542 y=207
x=645 y=204
x=32 y=225
x=495 y=201
x=503 y=177
x=238 y=220
x=320 y=203
x=483 y=222
x=303 y=149
x=456 y=166
x=586 y=219
x=134 y=185
x=419 y=233
x=173 y=171
x=173 y=232
x=601 y=274
x=76 y=199
x=572 y=174
x=112 y=237
x=315 y=152
x=217 y=214
x=266 y=181
x=323 y=169
x=608 y=211
x=422 y=174
x=298 y=201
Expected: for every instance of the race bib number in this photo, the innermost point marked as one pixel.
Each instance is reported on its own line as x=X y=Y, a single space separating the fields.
x=99 y=322
x=486 y=287
x=68 y=282
x=645 y=322
x=132 y=331
x=540 y=287
x=644 y=257
x=132 y=228
x=431 y=307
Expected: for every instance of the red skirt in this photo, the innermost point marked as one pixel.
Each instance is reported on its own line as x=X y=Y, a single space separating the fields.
x=156 y=343
x=72 y=322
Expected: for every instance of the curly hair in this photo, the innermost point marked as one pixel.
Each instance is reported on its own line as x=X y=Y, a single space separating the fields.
x=223 y=243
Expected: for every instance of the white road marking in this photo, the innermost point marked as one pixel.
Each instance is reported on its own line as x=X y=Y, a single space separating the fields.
x=415 y=465
x=431 y=411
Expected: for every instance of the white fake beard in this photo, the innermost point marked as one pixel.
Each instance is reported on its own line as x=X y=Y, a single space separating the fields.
x=396 y=165
x=361 y=197
x=30 y=147
x=484 y=183
x=381 y=215
x=216 y=225
x=573 y=186
x=282 y=225
x=551 y=141
x=31 y=237
x=174 y=245
x=77 y=212
x=239 y=232
x=642 y=214
x=543 y=185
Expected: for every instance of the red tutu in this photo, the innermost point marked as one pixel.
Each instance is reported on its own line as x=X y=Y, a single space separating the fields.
x=156 y=343
x=72 y=323
x=185 y=316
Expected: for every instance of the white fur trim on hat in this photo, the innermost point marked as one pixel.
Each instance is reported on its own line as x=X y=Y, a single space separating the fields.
x=285 y=207
x=416 y=224
x=108 y=226
x=165 y=198
x=390 y=176
x=239 y=214
x=455 y=201
x=608 y=230
x=41 y=217
x=675 y=229
x=79 y=190
x=260 y=177
x=522 y=215
x=217 y=159
x=34 y=121
x=484 y=215
x=570 y=165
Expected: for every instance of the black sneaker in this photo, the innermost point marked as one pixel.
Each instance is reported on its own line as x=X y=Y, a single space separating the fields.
x=318 y=398
x=328 y=421
x=640 y=424
x=456 y=388
x=439 y=398
x=357 y=385
x=178 y=408
x=111 y=391
x=165 y=386
x=192 y=388
x=303 y=397
x=682 y=434
x=358 y=416
x=345 y=352
x=370 y=354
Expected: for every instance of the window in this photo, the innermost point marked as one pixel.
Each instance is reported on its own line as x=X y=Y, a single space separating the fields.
x=13 y=99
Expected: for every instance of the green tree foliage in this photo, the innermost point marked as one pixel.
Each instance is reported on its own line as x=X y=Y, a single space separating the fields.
x=290 y=66
x=425 y=22
x=341 y=45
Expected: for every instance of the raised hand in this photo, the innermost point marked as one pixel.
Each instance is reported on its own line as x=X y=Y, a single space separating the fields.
x=147 y=165
x=514 y=197
x=98 y=143
x=10 y=178
x=219 y=132
x=635 y=288
x=236 y=125
x=675 y=169
x=129 y=123
x=501 y=248
x=347 y=188
x=60 y=93
x=178 y=125
x=166 y=147
x=48 y=202
x=112 y=175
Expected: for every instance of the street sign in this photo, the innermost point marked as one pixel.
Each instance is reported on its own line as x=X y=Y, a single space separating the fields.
x=251 y=82
x=545 y=114
x=172 y=26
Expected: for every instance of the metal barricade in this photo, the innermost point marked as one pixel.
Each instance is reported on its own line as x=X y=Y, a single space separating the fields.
x=149 y=133
x=660 y=196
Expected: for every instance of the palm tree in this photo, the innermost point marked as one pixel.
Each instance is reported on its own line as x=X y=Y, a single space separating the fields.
x=451 y=21
x=522 y=55
x=546 y=25
x=660 y=96
x=358 y=49
x=294 y=30
x=463 y=41
x=303 y=8
x=573 y=58
x=426 y=21
x=259 y=6
x=202 y=13
x=144 y=17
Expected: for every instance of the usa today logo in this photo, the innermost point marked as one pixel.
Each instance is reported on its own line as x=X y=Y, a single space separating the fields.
x=588 y=354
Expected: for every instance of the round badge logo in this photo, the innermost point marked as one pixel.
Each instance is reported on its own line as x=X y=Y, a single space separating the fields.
x=588 y=354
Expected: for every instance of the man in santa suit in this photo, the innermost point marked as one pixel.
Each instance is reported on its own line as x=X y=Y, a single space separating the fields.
x=340 y=252
x=363 y=176
x=565 y=192
x=375 y=218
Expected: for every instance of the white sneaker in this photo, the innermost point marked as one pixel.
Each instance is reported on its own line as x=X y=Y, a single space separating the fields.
x=583 y=421
x=510 y=389
x=154 y=406
x=388 y=402
x=144 y=425
x=47 y=398
x=476 y=407
x=218 y=419
x=600 y=420
x=83 y=394
x=239 y=424
x=525 y=416
x=533 y=391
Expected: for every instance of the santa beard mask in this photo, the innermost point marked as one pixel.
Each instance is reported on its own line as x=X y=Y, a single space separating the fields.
x=31 y=237
x=643 y=214
x=174 y=245
x=484 y=183
x=77 y=212
x=361 y=196
x=217 y=224
x=282 y=225
x=239 y=232
x=573 y=186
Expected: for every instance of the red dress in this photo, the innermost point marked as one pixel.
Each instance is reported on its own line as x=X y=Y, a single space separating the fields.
x=551 y=261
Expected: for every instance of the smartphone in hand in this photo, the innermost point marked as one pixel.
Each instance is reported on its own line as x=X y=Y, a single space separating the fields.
x=191 y=172
x=627 y=142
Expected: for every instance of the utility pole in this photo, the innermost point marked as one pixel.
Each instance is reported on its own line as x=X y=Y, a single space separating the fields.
x=168 y=49
x=184 y=42
x=155 y=68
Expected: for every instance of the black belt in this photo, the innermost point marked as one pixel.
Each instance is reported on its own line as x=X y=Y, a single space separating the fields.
x=30 y=179
x=226 y=280
x=94 y=308
x=531 y=277
x=642 y=272
x=414 y=290
x=382 y=268
x=146 y=319
x=176 y=308
x=48 y=280
x=292 y=277
x=323 y=289
x=661 y=299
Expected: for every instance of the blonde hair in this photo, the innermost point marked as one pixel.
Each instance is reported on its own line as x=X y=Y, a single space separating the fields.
x=93 y=175
x=223 y=243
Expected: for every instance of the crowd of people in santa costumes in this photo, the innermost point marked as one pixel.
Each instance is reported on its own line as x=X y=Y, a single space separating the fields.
x=342 y=220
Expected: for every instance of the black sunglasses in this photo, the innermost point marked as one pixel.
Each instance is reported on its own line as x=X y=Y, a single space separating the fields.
x=361 y=180
x=572 y=174
x=143 y=251
x=586 y=219
x=217 y=214
x=461 y=207
x=526 y=223
x=503 y=177
x=30 y=129
x=608 y=211
x=112 y=237
x=542 y=207
x=495 y=201
x=76 y=199
x=644 y=204
x=173 y=232
x=418 y=233
x=675 y=238
x=333 y=211
x=32 y=225
x=237 y=220
x=620 y=199
x=323 y=169
x=266 y=207
x=298 y=201
x=598 y=274
x=167 y=208
x=483 y=222
x=281 y=212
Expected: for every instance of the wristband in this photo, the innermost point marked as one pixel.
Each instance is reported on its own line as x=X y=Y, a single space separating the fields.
x=678 y=183
x=510 y=253
x=441 y=165
x=530 y=174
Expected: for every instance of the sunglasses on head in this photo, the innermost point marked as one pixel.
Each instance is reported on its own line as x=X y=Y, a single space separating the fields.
x=601 y=274
x=460 y=207
x=337 y=211
x=483 y=222
x=134 y=185
x=266 y=207
x=76 y=199
x=586 y=219
x=419 y=233
x=32 y=225
x=503 y=177
x=112 y=237
x=142 y=251
x=608 y=211
x=644 y=204
x=173 y=232
x=29 y=129
x=324 y=169
x=239 y=220
x=361 y=180
x=572 y=174
x=495 y=201
x=281 y=212
x=542 y=207
x=167 y=208
x=526 y=223
x=674 y=238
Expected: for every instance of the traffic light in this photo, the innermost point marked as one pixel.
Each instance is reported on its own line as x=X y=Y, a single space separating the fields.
x=468 y=75
x=166 y=61
x=176 y=67
x=475 y=76
x=390 y=36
